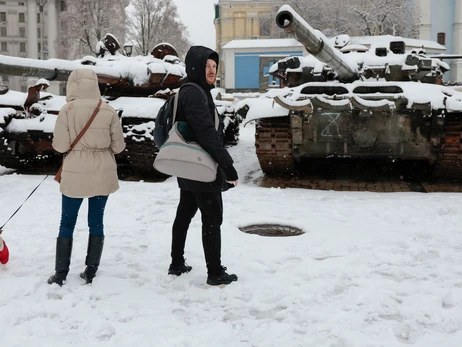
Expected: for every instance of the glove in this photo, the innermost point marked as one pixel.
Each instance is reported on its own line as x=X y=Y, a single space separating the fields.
x=231 y=173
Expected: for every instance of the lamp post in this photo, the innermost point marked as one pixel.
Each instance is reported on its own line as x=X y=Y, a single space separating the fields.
x=41 y=4
x=128 y=48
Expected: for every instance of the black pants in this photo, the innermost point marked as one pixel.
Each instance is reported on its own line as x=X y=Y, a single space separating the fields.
x=211 y=206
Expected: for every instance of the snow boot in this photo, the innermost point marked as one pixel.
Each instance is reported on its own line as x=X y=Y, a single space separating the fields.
x=94 y=252
x=222 y=278
x=62 y=261
x=177 y=270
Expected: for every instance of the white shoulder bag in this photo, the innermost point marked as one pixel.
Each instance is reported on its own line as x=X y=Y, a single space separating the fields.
x=185 y=159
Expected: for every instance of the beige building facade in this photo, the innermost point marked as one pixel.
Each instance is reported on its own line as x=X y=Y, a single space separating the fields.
x=243 y=20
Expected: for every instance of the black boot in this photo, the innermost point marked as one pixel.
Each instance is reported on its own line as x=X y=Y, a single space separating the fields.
x=94 y=251
x=63 y=260
x=177 y=270
x=222 y=278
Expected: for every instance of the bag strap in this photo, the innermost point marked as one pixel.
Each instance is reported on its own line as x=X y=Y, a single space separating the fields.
x=175 y=103
x=85 y=128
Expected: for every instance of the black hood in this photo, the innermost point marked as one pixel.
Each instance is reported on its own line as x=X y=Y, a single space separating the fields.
x=196 y=59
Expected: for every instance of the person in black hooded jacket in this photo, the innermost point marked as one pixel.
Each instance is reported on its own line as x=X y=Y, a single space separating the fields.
x=198 y=110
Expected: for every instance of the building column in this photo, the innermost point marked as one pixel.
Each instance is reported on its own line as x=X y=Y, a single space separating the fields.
x=52 y=28
x=424 y=12
x=32 y=43
x=456 y=65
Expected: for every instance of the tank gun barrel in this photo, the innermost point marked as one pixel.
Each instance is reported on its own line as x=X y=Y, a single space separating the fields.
x=52 y=70
x=31 y=71
x=288 y=20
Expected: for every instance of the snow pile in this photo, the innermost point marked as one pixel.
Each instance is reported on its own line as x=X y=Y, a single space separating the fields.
x=45 y=123
x=262 y=107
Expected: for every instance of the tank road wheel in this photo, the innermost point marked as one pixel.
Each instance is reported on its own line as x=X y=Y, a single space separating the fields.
x=449 y=164
x=273 y=142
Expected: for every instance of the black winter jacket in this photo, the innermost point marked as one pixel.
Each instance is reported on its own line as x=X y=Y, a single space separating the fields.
x=199 y=113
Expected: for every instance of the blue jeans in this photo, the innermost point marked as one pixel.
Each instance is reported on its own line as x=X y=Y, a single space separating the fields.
x=70 y=210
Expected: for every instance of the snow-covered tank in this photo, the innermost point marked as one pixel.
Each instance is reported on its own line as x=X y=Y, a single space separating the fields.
x=356 y=101
x=135 y=86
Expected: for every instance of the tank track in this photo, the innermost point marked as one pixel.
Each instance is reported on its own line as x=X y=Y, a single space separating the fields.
x=449 y=165
x=273 y=142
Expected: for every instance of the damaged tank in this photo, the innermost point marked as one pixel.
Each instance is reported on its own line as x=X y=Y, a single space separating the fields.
x=136 y=87
x=352 y=101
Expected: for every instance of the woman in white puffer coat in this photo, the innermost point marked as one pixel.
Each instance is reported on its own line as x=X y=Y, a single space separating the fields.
x=89 y=170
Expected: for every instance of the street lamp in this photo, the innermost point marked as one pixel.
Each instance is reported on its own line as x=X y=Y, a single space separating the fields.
x=128 y=48
x=41 y=4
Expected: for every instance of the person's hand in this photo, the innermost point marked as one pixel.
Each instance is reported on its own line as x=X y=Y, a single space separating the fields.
x=234 y=183
x=231 y=173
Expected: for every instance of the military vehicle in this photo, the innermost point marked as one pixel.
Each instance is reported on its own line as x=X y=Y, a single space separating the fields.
x=359 y=102
x=135 y=86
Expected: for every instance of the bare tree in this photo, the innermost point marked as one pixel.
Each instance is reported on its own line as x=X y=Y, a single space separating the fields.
x=359 y=17
x=85 y=22
x=151 y=22
x=381 y=17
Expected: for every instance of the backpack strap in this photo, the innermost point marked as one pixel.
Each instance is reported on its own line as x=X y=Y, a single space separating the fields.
x=175 y=103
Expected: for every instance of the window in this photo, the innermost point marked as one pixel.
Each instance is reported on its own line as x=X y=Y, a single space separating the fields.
x=22 y=32
x=22 y=18
x=21 y=4
x=3 y=47
x=441 y=38
x=39 y=32
x=22 y=46
x=2 y=16
x=3 y=31
x=62 y=6
x=38 y=18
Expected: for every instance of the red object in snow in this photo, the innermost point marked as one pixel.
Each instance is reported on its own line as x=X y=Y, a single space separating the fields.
x=4 y=253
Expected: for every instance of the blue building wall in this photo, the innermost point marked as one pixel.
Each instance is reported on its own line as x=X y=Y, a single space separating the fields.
x=246 y=71
x=251 y=68
x=443 y=19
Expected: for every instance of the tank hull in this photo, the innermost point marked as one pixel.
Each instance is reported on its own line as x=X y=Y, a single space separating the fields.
x=283 y=143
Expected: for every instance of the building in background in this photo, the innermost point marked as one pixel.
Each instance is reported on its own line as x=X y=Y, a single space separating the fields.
x=242 y=20
x=247 y=62
x=441 y=21
x=28 y=29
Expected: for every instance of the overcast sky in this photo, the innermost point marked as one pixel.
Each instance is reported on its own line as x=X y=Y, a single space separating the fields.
x=198 y=17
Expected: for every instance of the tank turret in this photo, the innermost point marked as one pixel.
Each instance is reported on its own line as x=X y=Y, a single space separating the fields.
x=386 y=57
x=118 y=75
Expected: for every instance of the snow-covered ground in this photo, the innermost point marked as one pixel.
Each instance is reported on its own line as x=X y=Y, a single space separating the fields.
x=372 y=269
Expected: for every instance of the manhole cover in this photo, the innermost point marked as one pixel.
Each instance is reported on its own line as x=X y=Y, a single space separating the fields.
x=271 y=230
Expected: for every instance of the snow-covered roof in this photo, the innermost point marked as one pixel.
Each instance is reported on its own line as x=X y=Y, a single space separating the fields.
x=263 y=43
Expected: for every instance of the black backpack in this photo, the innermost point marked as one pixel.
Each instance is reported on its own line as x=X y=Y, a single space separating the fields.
x=164 y=117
